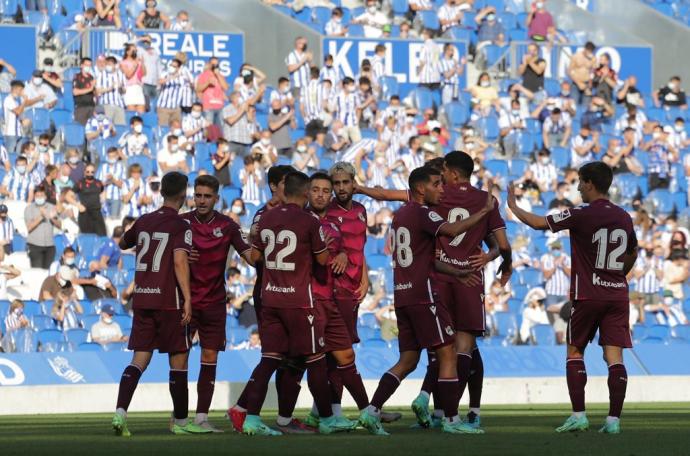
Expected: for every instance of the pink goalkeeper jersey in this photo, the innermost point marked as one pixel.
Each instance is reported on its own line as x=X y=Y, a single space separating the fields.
x=353 y=229
x=600 y=234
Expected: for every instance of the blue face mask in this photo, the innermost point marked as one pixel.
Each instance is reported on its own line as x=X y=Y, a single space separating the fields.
x=556 y=253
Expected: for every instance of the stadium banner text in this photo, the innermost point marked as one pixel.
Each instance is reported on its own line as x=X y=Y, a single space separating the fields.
x=21 y=53
x=199 y=47
x=401 y=60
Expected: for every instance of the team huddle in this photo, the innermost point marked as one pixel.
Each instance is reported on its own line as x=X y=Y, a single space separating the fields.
x=307 y=245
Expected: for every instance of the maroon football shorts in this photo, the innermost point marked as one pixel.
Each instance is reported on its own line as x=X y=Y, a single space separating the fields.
x=465 y=305
x=292 y=331
x=349 y=308
x=159 y=329
x=337 y=334
x=424 y=325
x=612 y=318
x=210 y=323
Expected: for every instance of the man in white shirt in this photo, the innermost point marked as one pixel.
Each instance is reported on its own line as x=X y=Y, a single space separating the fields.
x=38 y=93
x=171 y=158
x=544 y=172
x=583 y=147
x=181 y=22
x=335 y=26
x=372 y=20
x=106 y=330
x=13 y=108
x=511 y=123
x=135 y=142
x=429 y=69
x=556 y=129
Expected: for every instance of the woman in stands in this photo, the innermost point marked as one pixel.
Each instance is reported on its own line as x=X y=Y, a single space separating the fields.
x=485 y=95
x=134 y=71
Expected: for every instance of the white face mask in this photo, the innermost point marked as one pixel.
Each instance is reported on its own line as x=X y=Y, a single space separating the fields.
x=236 y=210
x=656 y=135
x=88 y=70
x=172 y=69
x=21 y=169
x=138 y=128
x=380 y=160
x=177 y=132
x=540 y=5
x=301 y=148
x=110 y=68
x=266 y=141
x=184 y=24
x=372 y=9
x=40 y=201
x=387 y=220
x=485 y=83
x=174 y=148
x=672 y=85
x=196 y=114
x=69 y=261
x=544 y=160
x=679 y=128
x=64 y=179
x=107 y=319
x=38 y=81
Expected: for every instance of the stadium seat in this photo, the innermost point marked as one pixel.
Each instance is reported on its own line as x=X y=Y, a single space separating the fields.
x=41 y=322
x=508 y=20
x=88 y=320
x=531 y=277
x=238 y=335
x=4 y=308
x=32 y=308
x=518 y=167
x=229 y=194
x=497 y=168
x=543 y=335
x=520 y=291
x=73 y=135
x=24 y=340
x=115 y=346
x=320 y=14
x=488 y=126
x=18 y=243
x=661 y=331
x=515 y=306
x=430 y=19
x=652 y=340
x=76 y=336
x=375 y=262
x=61 y=117
x=355 y=30
x=400 y=7
x=374 y=343
x=661 y=200
x=457 y=114
x=40 y=120
x=560 y=157
x=49 y=338
x=422 y=98
x=517 y=34
x=682 y=331
x=368 y=320
x=506 y=325
x=389 y=86
x=494 y=54
x=628 y=184
x=90 y=346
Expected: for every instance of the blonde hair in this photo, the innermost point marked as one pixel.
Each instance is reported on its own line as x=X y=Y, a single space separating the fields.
x=16 y=304
x=343 y=167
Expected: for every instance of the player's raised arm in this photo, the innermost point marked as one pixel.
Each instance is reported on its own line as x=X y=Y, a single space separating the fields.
x=462 y=226
x=383 y=194
x=534 y=221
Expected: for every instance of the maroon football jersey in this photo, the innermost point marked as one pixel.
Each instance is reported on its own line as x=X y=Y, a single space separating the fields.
x=600 y=234
x=157 y=236
x=256 y=292
x=415 y=228
x=323 y=280
x=288 y=236
x=353 y=229
x=458 y=203
x=212 y=240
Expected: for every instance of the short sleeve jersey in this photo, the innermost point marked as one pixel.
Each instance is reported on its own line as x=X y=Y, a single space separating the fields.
x=458 y=203
x=288 y=236
x=156 y=237
x=323 y=281
x=212 y=239
x=415 y=228
x=601 y=233
x=353 y=229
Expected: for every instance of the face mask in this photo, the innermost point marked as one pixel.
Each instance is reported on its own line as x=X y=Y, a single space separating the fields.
x=672 y=85
x=112 y=160
x=64 y=179
x=301 y=149
x=304 y=49
x=69 y=261
x=172 y=69
x=276 y=111
x=399 y=169
x=433 y=139
x=21 y=169
x=18 y=311
x=556 y=253
x=40 y=201
x=236 y=210
x=107 y=319
x=42 y=148
x=87 y=70
x=485 y=83
x=491 y=17
x=679 y=128
x=177 y=132
x=184 y=24
x=73 y=160
x=265 y=141
x=138 y=128
x=516 y=112
x=147 y=45
x=540 y=5
x=88 y=177
x=100 y=117
x=565 y=94
x=174 y=148
x=496 y=290
x=38 y=81
x=544 y=160
x=196 y=114
x=387 y=220
x=372 y=10
x=110 y=68
x=380 y=160
x=351 y=89
x=656 y=135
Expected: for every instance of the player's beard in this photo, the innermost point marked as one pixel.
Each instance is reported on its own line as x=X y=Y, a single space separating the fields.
x=341 y=201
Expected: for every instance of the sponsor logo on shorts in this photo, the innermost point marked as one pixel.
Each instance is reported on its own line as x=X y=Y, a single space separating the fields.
x=277 y=289
x=403 y=286
x=449 y=330
x=596 y=281
x=147 y=290
x=217 y=232
x=444 y=258
x=561 y=216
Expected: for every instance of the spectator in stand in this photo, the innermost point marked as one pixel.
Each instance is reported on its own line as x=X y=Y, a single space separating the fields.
x=7 y=75
x=661 y=155
x=76 y=165
x=678 y=137
x=543 y=172
x=629 y=93
x=328 y=72
x=561 y=198
x=604 y=81
x=670 y=95
x=583 y=147
x=449 y=15
x=112 y=174
x=169 y=100
x=63 y=180
x=298 y=63
x=15 y=318
x=511 y=124
x=194 y=126
x=17 y=184
x=40 y=218
x=283 y=95
x=39 y=94
x=98 y=127
x=109 y=86
x=313 y=103
x=372 y=20
x=366 y=102
x=484 y=95
x=620 y=156
x=580 y=70
x=152 y=18
x=335 y=27
x=66 y=309
x=489 y=30
x=598 y=113
x=556 y=268
x=6 y=233
x=211 y=86
x=236 y=125
x=407 y=32
x=135 y=192
x=134 y=70
x=265 y=151
x=181 y=23
x=649 y=276
x=14 y=106
x=451 y=70
x=253 y=343
x=304 y=158
x=134 y=142
x=108 y=255
x=279 y=124
x=252 y=179
x=533 y=313
x=532 y=69
x=84 y=91
x=539 y=22
x=108 y=13
x=348 y=111
x=171 y=158
x=556 y=129
x=429 y=59
x=106 y=330
x=89 y=190
x=676 y=273
x=221 y=160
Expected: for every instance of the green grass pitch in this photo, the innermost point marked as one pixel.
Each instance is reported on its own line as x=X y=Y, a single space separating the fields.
x=659 y=429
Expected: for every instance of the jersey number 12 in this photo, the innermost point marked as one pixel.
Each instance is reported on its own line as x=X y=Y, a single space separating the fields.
x=603 y=240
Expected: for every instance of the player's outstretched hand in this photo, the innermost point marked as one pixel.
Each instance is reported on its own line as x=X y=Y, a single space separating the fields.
x=186 y=312
x=479 y=260
x=193 y=256
x=339 y=263
x=506 y=270
x=512 y=203
x=490 y=202
x=471 y=280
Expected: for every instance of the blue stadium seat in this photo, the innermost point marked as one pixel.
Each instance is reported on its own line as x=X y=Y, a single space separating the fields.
x=389 y=86
x=680 y=200
x=488 y=126
x=125 y=321
x=515 y=306
x=90 y=346
x=9 y=9
x=560 y=157
x=508 y=20
x=517 y=34
x=41 y=322
x=661 y=331
x=677 y=341
x=4 y=309
x=48 y=338
x=76 y=336
x=24 y=340
x=115 y=346
x=663 y=8
x=367 y=332
x=506 y=325
x=461 y=33
x=73 y=135
x=143 y=161
x=543 y=335
x=87 y=245
x=639 y=332
x=18 y=243
x=368 y=320
x=228 y=194
x=88 y=320
x=422 y=98
x=400 y=7
x=378 y=262
x=320 y=14
x=653 y=340
x=518 y=166
x=531 y=277
x=497 y=168
x=355 y=30
x=128 y=261
x=61 y=117
x=661 y=200
x=238 y=335
x=429 y=19
x=457 y=114
x=494 y=54
x=40 y=120
x=374 y=343
x=628 y=184
x=32 y=308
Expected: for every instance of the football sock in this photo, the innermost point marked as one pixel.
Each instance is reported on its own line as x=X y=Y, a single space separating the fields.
x=204 y=387
x=337 y=409
x=448 y=393
x=618 y=382
x=317 y=379
x=387 y=386
x=464 y=364
x=334 y=379
x=288 y=389
x=179 y=391
x=128 y=384
x=256 y=394
x=201 y=418
x=354 y=384
x=576 y=375
x=431 y=377
x=476 y=380
x=283 y=421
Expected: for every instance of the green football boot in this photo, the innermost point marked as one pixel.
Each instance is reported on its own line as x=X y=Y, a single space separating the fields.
x=574 y=424
x=611 y=428
x=371 y=423
x=460 y=427
x=420 y=407
x=254 y=426
x=120 y=425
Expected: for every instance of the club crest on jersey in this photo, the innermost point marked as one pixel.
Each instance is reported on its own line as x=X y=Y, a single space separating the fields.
x=435 y=217
x=217 y=232
x=449 y=330
x=361 y=217
x=557 y=218
x=188 y=237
